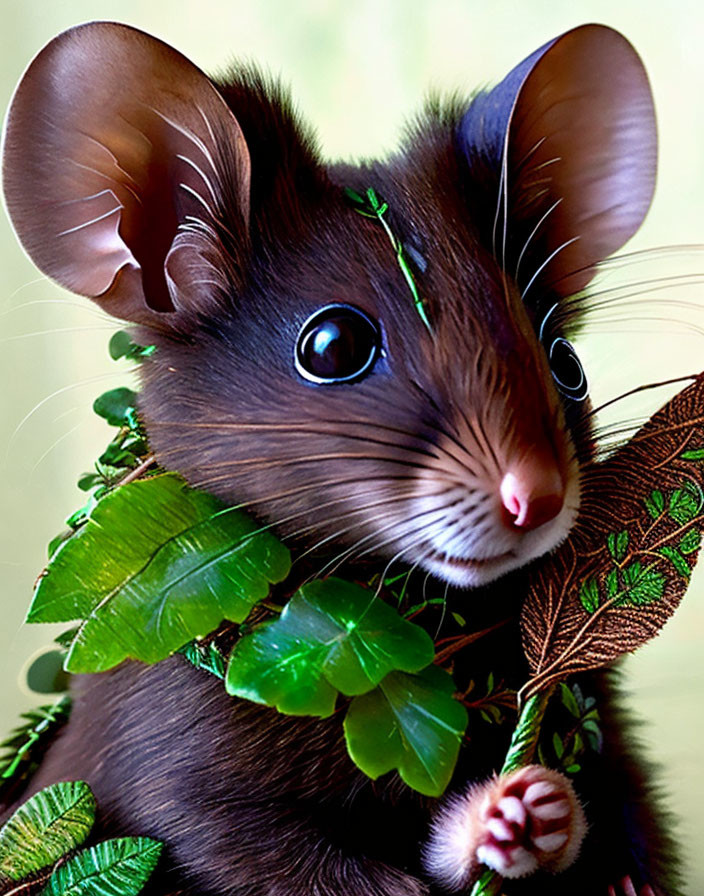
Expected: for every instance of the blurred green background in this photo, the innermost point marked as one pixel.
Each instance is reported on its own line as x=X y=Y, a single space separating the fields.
x=358 y=69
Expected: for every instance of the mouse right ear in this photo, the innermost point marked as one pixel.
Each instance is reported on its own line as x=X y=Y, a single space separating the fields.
x=120 y=162
x=565 y=151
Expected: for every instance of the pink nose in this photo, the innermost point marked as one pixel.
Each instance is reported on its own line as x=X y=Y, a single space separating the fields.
x=531 y=497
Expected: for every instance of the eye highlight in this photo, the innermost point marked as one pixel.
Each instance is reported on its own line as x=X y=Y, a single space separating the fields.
x=337 y=344
x=567 y=370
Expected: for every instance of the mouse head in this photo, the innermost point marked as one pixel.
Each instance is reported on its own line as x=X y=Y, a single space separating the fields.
x=372 y=358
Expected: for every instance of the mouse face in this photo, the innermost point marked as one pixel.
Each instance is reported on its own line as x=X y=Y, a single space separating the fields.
x=295 y=372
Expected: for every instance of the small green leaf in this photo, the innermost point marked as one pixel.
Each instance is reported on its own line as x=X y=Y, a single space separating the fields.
x=46 y=827
x=206 y=657
x=617 y=543
x=612 y=585
x=568 y=700
x=573 y=768
x=694 y=454
x=643 y=585
x=118 y=867
x=332 y=636
x=410 y=723
x=589 y=595
x=684 y=506
x=655 y=503
x=115 y=406
x=677 y=559
x=460 y=620
x=156 y=565
x=122 y=346
x=88 y=481
x=557 y=745
x=691 y=541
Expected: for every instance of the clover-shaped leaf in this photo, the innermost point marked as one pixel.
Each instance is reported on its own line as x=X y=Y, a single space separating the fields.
x=410 y=723
x=332 y=636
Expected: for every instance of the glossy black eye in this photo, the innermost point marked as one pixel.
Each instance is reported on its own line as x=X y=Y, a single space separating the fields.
x=567 y=370
x=337 y=344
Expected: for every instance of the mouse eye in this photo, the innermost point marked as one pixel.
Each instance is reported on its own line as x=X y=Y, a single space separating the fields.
x=337 y=344
x=567 y=370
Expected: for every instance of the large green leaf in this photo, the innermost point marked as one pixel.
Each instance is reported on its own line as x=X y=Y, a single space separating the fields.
x=46 y=827
x=410 y=723
x=117 y=867
x=332 y=636
x=156 y=565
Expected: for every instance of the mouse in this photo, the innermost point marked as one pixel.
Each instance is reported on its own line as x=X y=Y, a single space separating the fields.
x=375 y=360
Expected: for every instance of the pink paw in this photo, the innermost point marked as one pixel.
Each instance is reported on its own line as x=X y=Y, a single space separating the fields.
x=626 y=887
x=515 y=824
x=532 y=820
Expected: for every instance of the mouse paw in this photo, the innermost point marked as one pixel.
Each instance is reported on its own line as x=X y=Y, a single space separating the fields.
x=515 y=824
x=626 y=887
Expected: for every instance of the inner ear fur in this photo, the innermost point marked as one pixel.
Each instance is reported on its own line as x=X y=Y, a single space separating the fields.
x=570 y=139
x=126 y=176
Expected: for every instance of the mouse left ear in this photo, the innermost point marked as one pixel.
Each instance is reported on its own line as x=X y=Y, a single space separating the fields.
x=568 y=143
x=126 y=175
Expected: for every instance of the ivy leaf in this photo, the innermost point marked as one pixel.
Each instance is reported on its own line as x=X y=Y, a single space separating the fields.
x=650 y=490
x=117 y=406
x=331 y=636
x=118 y=867
x=156 y=565
x=122 y=346
x=410 y=723
x=46 y=827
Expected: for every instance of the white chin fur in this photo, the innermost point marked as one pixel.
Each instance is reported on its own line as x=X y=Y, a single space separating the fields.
x=469 y=573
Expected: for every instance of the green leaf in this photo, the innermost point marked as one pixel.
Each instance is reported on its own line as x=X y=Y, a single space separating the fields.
x=156 y=565
x=617 y=543
x=691 y=541
x=332 y=636
x=557 y=745
x=677 y=559
x=573 y=768
x=568 y=700
x=612 y=584
x=122 y=346
x=694 y=454
x=117 y=867
x=655 y=503
x=46 y=827
x=115 y=406
x=683 y=506
x=410 y=723
x=206 y=657
x=589 y=595
x=643 y=585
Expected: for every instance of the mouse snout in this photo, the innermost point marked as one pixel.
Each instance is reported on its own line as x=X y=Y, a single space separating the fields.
x=532 y=493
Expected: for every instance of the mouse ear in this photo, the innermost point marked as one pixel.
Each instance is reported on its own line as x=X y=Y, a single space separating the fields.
x=570 y=136
x=120 y=157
